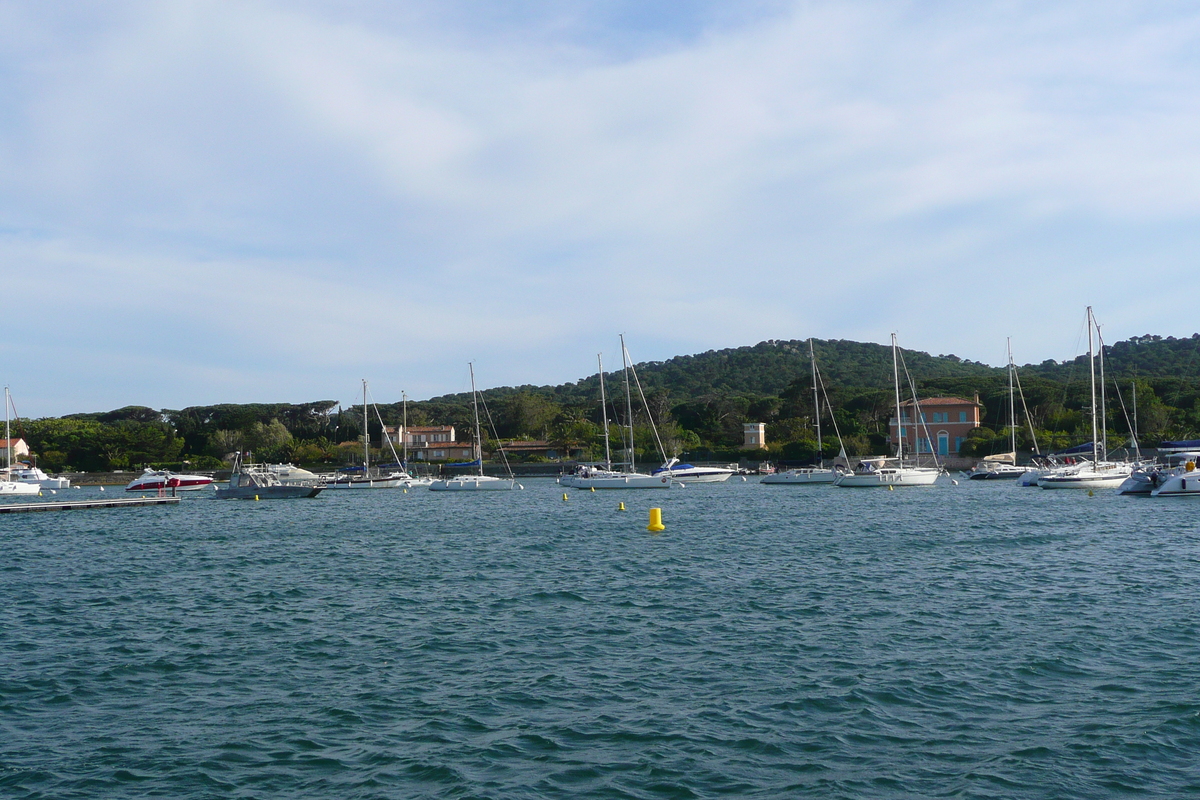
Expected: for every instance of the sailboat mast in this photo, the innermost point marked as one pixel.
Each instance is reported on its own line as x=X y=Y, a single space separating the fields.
x=7 y=437
x=1103 y=396
x=474 y=400
x=628 y=400
x=366 y=435
x=899 y=420
x=1092 y=369
x=816 y=403
x=604 y=413
x=1012 y=404
x=404 y=427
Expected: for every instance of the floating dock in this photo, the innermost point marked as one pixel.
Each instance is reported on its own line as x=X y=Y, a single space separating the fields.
x=76 y=505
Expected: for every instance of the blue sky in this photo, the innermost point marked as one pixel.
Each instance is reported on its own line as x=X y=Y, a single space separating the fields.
x=210 y=202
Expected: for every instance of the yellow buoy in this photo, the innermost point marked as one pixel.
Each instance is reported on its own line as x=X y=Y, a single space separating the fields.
x=406 y=491
x=1091 y=493
x=564 y=496
x=621 y=507
x=656 y=523
x=891 y=488
x=593 y=490
x=256 y=498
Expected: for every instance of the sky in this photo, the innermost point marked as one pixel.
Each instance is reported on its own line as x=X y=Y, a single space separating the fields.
x=253 y=201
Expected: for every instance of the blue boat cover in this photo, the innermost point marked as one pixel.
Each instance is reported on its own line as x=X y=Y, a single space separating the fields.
x=474 y=463
x=1190 y=444
x=677 y=466
x=1086 y=447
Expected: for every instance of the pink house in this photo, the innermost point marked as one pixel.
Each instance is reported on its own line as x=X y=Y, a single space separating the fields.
x=941 y=428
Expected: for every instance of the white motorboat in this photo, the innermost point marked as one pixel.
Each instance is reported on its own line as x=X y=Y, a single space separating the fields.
x=1149 y=476
x=686 y=473
x=40 y=479
x=480 y=482
x=260 y=482
x=8 y=486
x=153 y=480
x=891 y=472
x=291 y=474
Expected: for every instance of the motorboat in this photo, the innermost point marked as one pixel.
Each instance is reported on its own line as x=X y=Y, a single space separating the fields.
x=152 y=480
x=31 y=474
x=1184 y=481
x=1151 y=475
x=686 y=473
x=885 y=471
x=260 y=482
x=290 y=473
x=805 y=476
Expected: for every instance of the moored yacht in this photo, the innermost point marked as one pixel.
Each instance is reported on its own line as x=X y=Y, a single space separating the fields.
x=891 y=472
x=152 y=480
x=686 y=473
x=480 y=482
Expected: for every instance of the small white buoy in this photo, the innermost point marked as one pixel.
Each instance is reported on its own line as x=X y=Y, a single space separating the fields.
x=102 y=488
x=743 y=479
x=954 y=482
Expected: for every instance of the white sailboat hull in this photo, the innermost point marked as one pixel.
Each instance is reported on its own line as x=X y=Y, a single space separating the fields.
x=803 y=477
x=475 y=483
x=1085 y=479
x=388 y=482
x=616 y=480
x=903 y=476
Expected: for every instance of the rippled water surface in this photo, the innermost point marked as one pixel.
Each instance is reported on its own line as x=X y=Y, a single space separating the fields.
x=774 y=641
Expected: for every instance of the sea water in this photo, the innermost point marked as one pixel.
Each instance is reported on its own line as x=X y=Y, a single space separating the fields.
x=774 y=641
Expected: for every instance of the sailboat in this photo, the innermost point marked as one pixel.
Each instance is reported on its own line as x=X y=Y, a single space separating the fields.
x=367 y=480
x=812 y=476
x=1097 y=473
x=1003 y=466
x=480 y=482
x=8 y=486
x=883 y=471
x=587 y=477
x=412 y=480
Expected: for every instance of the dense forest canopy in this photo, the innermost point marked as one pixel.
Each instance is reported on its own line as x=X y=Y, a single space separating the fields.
x=699 y=403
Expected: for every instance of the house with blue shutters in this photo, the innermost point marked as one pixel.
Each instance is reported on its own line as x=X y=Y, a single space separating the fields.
x=941 y=425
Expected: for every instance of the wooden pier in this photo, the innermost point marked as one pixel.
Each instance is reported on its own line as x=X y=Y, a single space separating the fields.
x=76 y=505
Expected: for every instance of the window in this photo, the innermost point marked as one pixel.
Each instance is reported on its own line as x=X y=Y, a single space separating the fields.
x=957 y=444
x=943 y=443
x=923 y=417
x=962 y=416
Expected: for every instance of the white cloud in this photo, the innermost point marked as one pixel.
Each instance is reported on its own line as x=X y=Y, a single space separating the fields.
x=518 y=189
